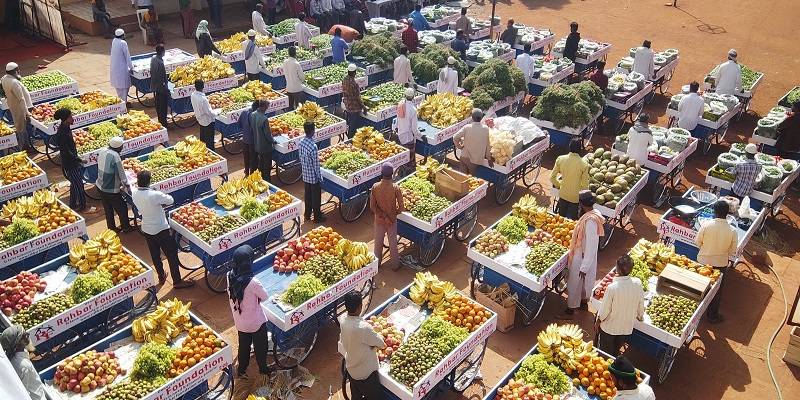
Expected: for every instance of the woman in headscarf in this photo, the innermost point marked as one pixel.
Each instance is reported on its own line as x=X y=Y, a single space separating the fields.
x=245 y=295
x=205 y=45
x=71 y=162
x=16 y=345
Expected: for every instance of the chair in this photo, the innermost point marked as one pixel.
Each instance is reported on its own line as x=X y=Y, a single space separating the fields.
x=140 y=13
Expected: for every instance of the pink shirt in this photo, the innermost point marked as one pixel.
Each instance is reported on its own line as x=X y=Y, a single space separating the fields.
x=252 y=316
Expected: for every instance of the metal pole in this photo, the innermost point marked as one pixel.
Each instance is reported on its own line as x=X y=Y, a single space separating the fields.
x=491 y=21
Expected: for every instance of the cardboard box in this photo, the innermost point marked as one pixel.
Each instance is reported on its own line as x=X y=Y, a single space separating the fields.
x=506 y=312
x=682 y=282
x=452 y=184
x=792 y=354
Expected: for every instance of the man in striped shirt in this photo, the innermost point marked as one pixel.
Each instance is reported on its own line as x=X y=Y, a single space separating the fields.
x=623 y=303
x=312 y=176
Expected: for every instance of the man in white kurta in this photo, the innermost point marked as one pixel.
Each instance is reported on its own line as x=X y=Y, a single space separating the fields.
x=640 y=139
x=19 y=102
x=644 y=61
x=728 y=77
x=121 y=65
x=583 y=255
x=258 y=20
x=253 y=59
x=302 y=32
x=690 y=108
x=402 y=68
x=525 y=63
x=448 y=78
x=406 y=124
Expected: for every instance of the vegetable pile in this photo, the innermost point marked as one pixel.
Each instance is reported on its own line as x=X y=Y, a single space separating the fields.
x=187 y=155
x=277 y=58
x=425 y=64
x=379 y=49
x=569 y=105
x=328 y=74
x=381 y=96
x=490 y=82
x=284 y=27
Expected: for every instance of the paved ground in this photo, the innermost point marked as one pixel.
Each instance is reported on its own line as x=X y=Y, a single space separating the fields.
x=723 y=361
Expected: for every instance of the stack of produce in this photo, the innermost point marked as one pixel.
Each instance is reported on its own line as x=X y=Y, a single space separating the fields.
x=768 y=125
x=564 y=346
x=392 y=337
x=187 y=155
x=671 y=312
x=136 y=123
x=90 y=284
x=585 y=47
x=43 y=310
x=220 y=226
x=792 y=97
x=622 y=86
x=436 y=36
x=445 y=109
x=485 y=50
x=277 y=58
x=194 y=216
x=427 y=203
x=491 y=243
x=17 y=167
x=87 y=371
x=657 y=255
x=611 y=176
x=95 y=136
x=278 y=127
x=438 y=12
x=153 y=361
x=207 y=68
x=292 y=121
x=321 y=42
x=43 y=112
x=380 y=25
x=169 y=320
x=373 y=142
x=130 y=389
x=233 y=43
x=640 y=271
x=425 y=64
x=234 y=192
x=508 y=132
x=17 y=293
x=200 y=343
x=490 y=82
x=536 y=379
x=284 y=27
x=33 y=215
x=77 y=104
x=44 y=80
x=329 y=74
x=530 y=35
x=384 y=95
x=380 y=49
x=5 y=129
x=242 y=97
x=570 y=106
x=542 y=256
x=541 y=219
x=749 y=76
x=546 y=68
x=344 y=163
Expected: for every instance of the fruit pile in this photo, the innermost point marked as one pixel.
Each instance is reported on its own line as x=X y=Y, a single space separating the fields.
x=292 y=257
x=221 y=226
x=491 y=243
x=165 y=323
x=324 y=238
x=278 y=200
x=152 y=361
x=657 y=255
x=17 y=293
x=392 y=337
x=5 y=129
x=32 y=215
x=611 y=176
x=321 y=42
x=122 y=267
x=428 y=206
x=518 y=390
x=207 y=68
x=600 y=291
x=278 y=126
x=242 y=97
x=220 y=100
x=234 y=192
x=542 y=256
x=328 y=152
x=233 y=43
x=44 y=80
x=670 y=312
x=96 y=136
x=329 y=74
x=327 y=267
x=443 y=334
x=55 y=218
x=19 y=230
x=462 y=312
x=344 y=163
x=277 y=58
x=354 y=255
x=17 y=167
x=302 y=289
x=513 y=228
x=187 y=155
x=563 y=345
x=382 y=96
x=427 y=289
x=373 y=142
x=90 y=284
x=558 y=227
x=129 y=389
x=413 y=359
x=87 y=256
x=136 y=123
x=544 y=376
x=87 y=371
x=43 y=112
x=295 y=121
x=194 y=216
x=537 y=236
x=43 y=310
x=78 y=104
x=594 y=376
x=253 y=209
x=201 y=343
x=445 y=109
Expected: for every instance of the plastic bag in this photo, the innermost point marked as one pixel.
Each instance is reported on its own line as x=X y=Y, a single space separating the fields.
x=744 y=209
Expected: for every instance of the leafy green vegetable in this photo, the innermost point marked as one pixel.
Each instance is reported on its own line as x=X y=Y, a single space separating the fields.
x=569 y=105
x=284 y=27
x=425 y=64
x=492 y=78
x=322 y=41
x=379 y=49
x=793 y=96
x=301 y=289
x=513 y=228
x=749 y=77
x=535 y=370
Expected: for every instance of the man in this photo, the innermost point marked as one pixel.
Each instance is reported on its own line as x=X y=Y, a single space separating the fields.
x=110 y=179
x=12 y=387
x=215 y=12
x=510 y=34
x=598 y=77
x=746 y=172
x=249 y=150
x=406 y=124
x=295 y=77
x=253 y=59
x=327 y=9
x=312 y=175
x=358 y=342
x=690 y=108
x=643 y=61
x=357 y=22
x=459 y=44
x=262 y=139
x=351 y=97
x=622 y=304
x=640 y=139
x=121 y=65
x=728 y=78
x=158 y=84
x=203 y=113
x=525 y=63
x=582 y=256
x=570 y=175
x=571 y=46
x=717 y=242
x=318 y=13
x=18 y=100
x=187 y=18
x=339 y=11
x=788 y=142
x=410 y=38
x=402 y=68
x=473 y=140
x=386 y=202
x=16 y=345
x=271 y=6
x=418 y=20
x=448 y=78
x=258 y=20
x=463 y=23
x=156 y=231
x=338 y=46
x=101 y=15
x=302 y=32
x=623 y=374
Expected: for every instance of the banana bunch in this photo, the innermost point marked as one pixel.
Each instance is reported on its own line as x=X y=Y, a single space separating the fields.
x=564 y=345
x=170 y=319
x=189 y=147
x=367 y=138
x=233 y=193
x=88 y=255
x=445 y=109
x=131 y=119
x=33 y=206
x=429 y=169
x=13 y=159
x=310 y=111
x=207 y=68
x=527 y=209
x=427 y=288
x=354 y=254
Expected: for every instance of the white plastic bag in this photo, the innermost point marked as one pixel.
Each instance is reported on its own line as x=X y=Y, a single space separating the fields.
x=744 y=209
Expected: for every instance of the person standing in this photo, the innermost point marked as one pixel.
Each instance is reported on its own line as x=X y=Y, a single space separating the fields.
x=351 y=97
x=311 y=174
x=121 y=65
x=327 y=10
x=690 y=108
x=156 y=231
x=158 y=84
x=270 y=5
x=187 y=18
x=570 y=175
x=410 y=38
x=339 y=12
x=418 y=20
x=728 y=77
x=571 y=46
x=203 y=114
x=717 y=242
x=640 y=139
x=110 y=179
x=357 y=22
x=317 y=12
x=101 y=15
x=644 y=61
x=599 y=78
x=473 y=140
x=402 y=68
x=295 y=77
x=203 y=41
x=788 y=142
x=338 y=46
x=623 y=374
x=582 y=256
x=358 y=342
x=386 y=202
x=249 y=151
x=622 y=304
x=16 y=344
x=12 y=387
x=510 y=34
x=71 y=162
x=253 y=59
x=302 y=32
x=152 y=29
x=525 y=63
x=215 y=12
x=257 y=18
x=746 y=172
x=448 y=78
x=18 y=100
x=464 y=24
x=245 y=295
x=459 y=44
x=262 y=139
x=406 y=124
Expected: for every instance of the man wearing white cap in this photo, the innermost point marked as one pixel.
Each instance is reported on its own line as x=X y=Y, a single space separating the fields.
x=258 y=20
x=402 y=68
x=111 y=179
x=351 y=97
x=644 y=60
x=253 y=59
x=19 y=102
x=406 y=124
x=746 y=172
x=728 y=78
x=121 y=65
x=448 y=78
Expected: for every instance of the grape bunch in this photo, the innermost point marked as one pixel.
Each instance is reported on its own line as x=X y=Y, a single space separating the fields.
x=302 y=289
x=328 y=268
x=513 y=228
x=542 y=256
x=91 y=284
x=152 y=362
x=670 y=312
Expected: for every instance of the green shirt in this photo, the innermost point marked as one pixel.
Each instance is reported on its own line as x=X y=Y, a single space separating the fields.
x=574 y=176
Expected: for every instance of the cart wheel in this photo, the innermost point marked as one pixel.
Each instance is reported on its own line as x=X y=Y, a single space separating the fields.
x=217 y=280
x=467 y=225
x=559 y=284
x=476 y=275
x=185 y=122
x=457 y=153
x=664 y=87
x=466 y=372
x=531 y=306
x=705 y=145
x=223 y=388
x=503 y=191
x=531 y=175
x=609 y=232
x=431 y=248
x=637 y=110
x=121 y=315
x=297 y=348
x=292 y=230
x=51 y=151
x=353 y=209
x=88 y=186
x=231 y=146
x=721 y=133
x=143 y=99
x=289 y=174
x=183 y=246
x=661 y=193
x=665 y=364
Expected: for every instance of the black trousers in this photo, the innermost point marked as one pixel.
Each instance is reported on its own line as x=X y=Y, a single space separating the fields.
x=207 y=135
x=114 y=202
x=265 y=165
x=313 y=198
x=258 y=340
x=295 y=99
x=250 y=158
x=162 y=101
x=164 y=242
x=367 y=389
x=610 y=343
x=253 y=77
x=353 y=119
x=567 y=209
x=713 y=307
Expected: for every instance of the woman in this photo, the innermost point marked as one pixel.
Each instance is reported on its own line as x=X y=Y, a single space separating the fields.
x=205 y=45
x=245 y=295
x=71 y=163
x=187 y=17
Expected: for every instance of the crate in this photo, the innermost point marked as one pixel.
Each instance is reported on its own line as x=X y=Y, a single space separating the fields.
x=506 y=312
x=452 y=184
x=792 y=354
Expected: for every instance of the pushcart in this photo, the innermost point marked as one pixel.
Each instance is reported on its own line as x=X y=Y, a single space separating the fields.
x=541 y=46
x=375 y=73
x=274 y=74
x=140 y=74
x=331 y=93
x=709 y=132
x=436 y=142
x=227 y=123
x=180 y=101
x=585 y=62
x=25 y=186
x=286 y=153
x=537 y=85
x=744 y=96
x=617 y=112
x=382 y=118
x=236 y=58
x=771 y=202
x=662 y=78
x=565 y=134
x=70 y=87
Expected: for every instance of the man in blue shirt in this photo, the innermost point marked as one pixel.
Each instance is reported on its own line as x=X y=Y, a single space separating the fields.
x=249 y=151
x=312 y=175
x=338 y=46
x=420 y=23
x=459 y=44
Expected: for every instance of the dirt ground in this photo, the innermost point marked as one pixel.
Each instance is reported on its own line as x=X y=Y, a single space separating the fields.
x=727 y=360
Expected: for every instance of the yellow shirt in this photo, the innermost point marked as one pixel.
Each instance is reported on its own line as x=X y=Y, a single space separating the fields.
x=717 y=241
x=574 y=176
